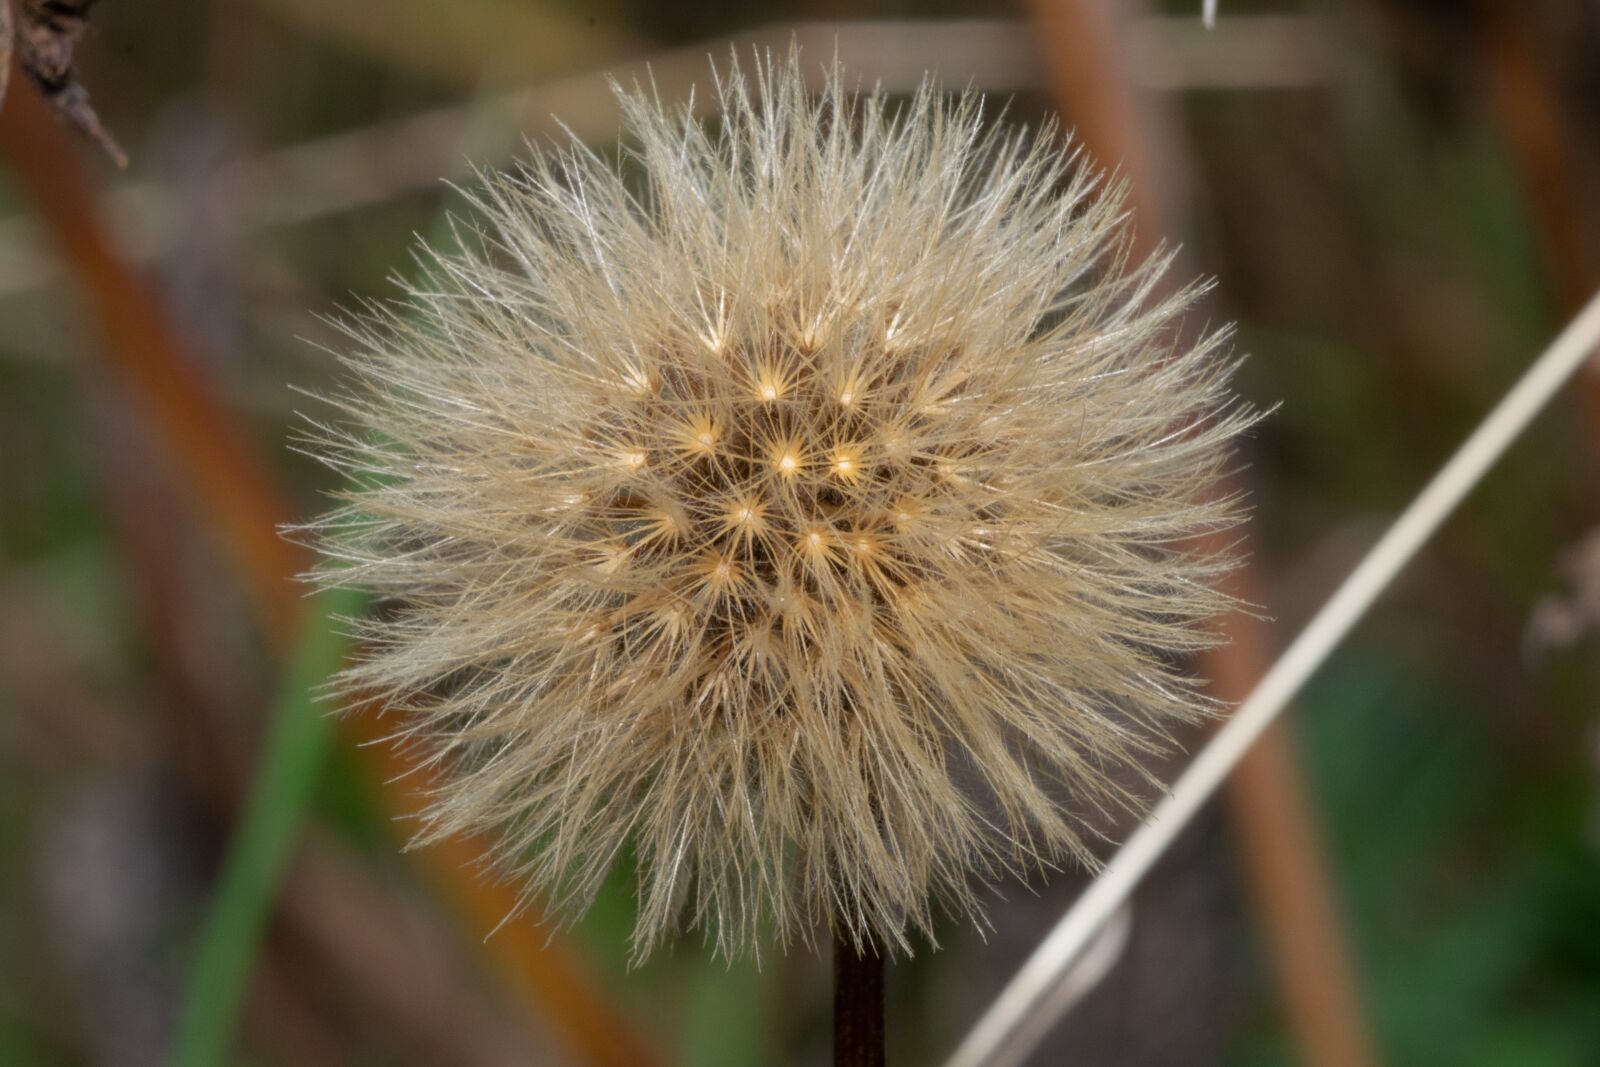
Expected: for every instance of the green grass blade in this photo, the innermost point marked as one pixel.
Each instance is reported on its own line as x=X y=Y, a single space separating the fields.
x=299 y=738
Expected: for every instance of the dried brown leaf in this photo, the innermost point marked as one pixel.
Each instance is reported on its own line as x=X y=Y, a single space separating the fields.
x=47 y=33
x=5 y=47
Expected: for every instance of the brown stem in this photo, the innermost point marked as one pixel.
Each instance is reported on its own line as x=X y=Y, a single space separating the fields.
x=1082 y=42
x=240 y=500
x=857 y=1004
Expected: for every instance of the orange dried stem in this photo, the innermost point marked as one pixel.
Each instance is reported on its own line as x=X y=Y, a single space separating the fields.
x=1281 y=849
x=237 y=497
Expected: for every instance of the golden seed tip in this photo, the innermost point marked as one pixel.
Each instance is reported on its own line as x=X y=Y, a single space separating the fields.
x=765 y=578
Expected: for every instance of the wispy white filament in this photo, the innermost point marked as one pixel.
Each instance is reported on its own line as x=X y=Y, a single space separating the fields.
x=1019 y=1017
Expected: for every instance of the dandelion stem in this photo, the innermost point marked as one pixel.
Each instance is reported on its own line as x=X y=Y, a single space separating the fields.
x=857 y=1004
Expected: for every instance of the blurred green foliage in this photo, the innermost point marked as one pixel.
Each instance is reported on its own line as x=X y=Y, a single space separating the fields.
x=1380 y=256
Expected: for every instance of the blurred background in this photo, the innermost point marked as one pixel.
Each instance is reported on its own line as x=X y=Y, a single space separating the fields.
x=1398 y=201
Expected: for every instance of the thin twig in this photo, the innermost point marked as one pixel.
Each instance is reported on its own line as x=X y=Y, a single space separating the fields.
x=991 y=1041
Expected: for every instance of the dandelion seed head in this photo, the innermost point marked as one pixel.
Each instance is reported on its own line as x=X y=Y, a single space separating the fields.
x=802 y=505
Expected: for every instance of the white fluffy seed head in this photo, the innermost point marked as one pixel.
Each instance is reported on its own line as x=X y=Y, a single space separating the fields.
x=801 y=505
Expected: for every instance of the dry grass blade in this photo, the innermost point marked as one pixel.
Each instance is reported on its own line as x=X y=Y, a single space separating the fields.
x=994 y=1040
x=239 y=501
x=368 y=166
x=466 y=40
x=1086 y=49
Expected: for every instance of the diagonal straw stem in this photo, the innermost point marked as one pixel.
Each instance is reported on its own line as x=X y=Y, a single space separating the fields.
x=1007 y=1032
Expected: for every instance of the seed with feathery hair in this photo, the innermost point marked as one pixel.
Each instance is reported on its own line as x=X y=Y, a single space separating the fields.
x=802 y=503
